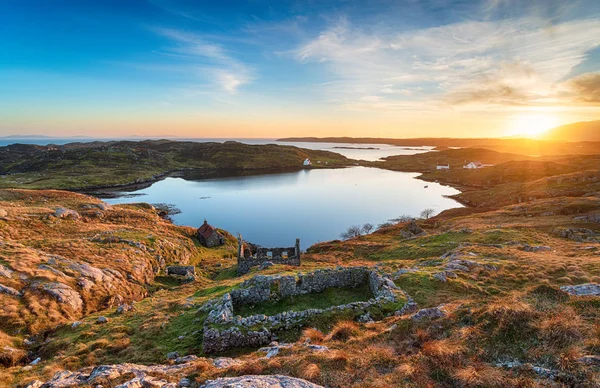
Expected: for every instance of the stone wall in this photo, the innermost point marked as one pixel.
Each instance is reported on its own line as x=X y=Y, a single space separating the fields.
x=224 y=330
x=274 y=255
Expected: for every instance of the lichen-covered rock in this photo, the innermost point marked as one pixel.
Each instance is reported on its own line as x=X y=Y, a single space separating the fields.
x=587 y=289
x=275 y=381
x=430 y=313
x=62 y=293
x=62 y=212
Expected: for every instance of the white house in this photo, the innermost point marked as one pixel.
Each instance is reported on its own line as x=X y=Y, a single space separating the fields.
x=473 y=165
x=443 y=167
x=307 y=162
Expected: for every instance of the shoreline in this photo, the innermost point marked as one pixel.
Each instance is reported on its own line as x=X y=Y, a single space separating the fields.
x=116 y=191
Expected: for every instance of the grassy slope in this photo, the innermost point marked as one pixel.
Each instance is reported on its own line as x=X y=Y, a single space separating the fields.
x=513 y=314
x=80 y=166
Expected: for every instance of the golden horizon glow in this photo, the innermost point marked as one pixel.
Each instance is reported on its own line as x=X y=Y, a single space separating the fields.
x=532 y=125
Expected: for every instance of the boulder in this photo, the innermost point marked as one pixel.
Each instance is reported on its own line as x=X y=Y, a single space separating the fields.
x=181 y=270
x=275 y=381
x=62 y=293
x=430 y=313
x=102 y=320
x=412 y=230
x=62 y=212
x=587 y=289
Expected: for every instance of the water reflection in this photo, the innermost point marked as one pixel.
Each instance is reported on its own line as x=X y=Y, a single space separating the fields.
x=314 y=205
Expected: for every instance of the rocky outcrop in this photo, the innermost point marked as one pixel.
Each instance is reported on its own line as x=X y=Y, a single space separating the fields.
x=62 y=293
x=412 y=230
x=275 y=381
x=587 y=289
x=133 y=374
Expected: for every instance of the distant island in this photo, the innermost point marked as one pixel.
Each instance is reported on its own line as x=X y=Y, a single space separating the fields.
x=357 y=148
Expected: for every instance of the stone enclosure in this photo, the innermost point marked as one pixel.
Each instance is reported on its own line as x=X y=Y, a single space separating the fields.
x=248 y=259
x=224 y=330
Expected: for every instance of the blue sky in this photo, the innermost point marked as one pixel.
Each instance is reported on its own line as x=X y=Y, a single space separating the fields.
x=278 y=68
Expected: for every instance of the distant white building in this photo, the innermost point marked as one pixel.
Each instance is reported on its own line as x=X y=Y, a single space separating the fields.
x=473 y=165
x=443 y=167
x=307 y=162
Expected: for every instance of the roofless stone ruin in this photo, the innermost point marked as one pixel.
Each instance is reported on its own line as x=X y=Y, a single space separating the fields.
x=225 y=328
x=249 y=257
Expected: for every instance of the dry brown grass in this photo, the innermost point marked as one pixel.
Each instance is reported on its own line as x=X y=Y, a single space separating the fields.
x=314 y=335
x=310 y=372
x=480 y=375
x=343 y=331
x=563 y=329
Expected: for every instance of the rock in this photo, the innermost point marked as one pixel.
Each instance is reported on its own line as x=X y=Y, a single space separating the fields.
x=592 y=360
x=441 y=276
x=265 y=265
x=412 y=230
x=317 y=348
x=102 y=319
x=62 y=212
x=36 y=361
x=408 y=308
x=430 y=313
x=3 y=213
x=7 y=273
x=225 y=362
x=186 y=359
x=75 y=325
x=365 y=318
x=587 y=289
x=62 y=293
x=124 y=307
x=181 y=270
x=403 y=271
x=172 y=356
x=9 y=291
x=34 y=384
x=184 y=383
x=537 y=248
x=274 y=381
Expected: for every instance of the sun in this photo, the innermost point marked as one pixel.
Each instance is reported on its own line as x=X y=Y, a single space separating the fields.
x=531 y=125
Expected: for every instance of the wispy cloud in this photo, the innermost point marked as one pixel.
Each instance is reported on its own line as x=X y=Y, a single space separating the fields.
x=518 y=61
x=210 y=61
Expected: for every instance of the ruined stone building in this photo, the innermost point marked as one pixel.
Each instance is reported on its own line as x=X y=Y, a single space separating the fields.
x=249 y=256
x=208 y=236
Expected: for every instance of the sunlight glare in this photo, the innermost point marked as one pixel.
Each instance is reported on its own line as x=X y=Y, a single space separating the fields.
x=531 y=125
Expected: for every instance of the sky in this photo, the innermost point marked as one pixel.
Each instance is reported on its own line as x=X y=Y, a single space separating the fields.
x=267 y=69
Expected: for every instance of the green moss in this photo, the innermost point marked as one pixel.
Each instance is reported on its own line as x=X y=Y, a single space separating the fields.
x=330 y=297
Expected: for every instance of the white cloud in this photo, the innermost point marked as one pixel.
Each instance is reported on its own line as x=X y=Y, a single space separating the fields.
x=210 y=61
x=506 y=62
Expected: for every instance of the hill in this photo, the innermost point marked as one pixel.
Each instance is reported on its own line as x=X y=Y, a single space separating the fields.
x=576 y=132
x=81 y=166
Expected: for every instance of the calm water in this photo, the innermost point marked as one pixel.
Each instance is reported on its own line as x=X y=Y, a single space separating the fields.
x=353 y=151
x=314 y=205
